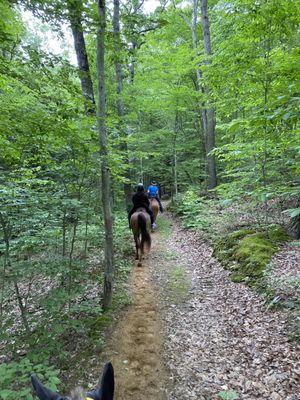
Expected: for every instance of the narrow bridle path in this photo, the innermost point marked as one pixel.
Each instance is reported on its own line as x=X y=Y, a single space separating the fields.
x=136 y=346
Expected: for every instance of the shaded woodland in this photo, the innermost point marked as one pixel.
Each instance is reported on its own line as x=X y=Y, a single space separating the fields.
x=201 y=96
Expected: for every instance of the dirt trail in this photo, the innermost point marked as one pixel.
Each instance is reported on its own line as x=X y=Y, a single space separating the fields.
x=136 y=346
x=191 y=333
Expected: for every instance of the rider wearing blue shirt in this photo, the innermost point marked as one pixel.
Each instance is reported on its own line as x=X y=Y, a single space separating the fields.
x=153 y=194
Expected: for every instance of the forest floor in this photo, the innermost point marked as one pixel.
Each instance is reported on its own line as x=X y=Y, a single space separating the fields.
x=191 y=333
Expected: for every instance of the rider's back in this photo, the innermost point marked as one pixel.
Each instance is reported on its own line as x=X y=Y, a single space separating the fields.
x=140 y=199
x=153 y=191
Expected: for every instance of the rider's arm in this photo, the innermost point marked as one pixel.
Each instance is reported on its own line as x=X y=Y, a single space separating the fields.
x=147 y=200
x=134 y=199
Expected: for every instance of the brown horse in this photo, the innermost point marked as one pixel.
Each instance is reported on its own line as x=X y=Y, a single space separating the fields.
x=105 y=391
x=155 y=207
x=140 y=225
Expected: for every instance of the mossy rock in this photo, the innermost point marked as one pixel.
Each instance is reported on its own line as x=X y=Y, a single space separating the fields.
x=276 y=234
x=237 y=278
x=233 y=237
x=247 y=253
x=255 y=249
x=237 y=235
x=224 y=247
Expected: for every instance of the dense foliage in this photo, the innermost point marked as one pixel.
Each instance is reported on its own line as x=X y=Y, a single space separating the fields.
x=52 y=234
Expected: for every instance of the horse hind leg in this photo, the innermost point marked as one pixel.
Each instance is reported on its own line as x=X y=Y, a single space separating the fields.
x=140 y=260
x=141 y=251
x=137 y=245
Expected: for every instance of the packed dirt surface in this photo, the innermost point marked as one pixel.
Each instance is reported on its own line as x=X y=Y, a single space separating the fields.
x=136 y=348
x=192 y=334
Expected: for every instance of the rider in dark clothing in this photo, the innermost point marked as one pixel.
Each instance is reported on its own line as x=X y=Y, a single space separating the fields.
x=140 y=199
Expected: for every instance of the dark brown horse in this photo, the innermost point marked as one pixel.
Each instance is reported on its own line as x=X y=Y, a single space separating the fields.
x=140 y=225
x=104 y=392
x=155 y=207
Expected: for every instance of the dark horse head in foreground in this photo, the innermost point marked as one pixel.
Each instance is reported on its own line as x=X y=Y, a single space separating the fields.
x=140 y=224
x=104 y=392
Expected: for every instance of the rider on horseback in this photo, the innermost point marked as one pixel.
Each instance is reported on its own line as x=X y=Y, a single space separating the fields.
x=140 y=199
x=153 y=194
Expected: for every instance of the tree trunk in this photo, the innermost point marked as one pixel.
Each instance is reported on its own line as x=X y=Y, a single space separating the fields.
x=199 y=85
x=195 y=43
x=75 y=17
x=105 y=173
x=210 y=111
x=21 y=307
x=64 y=228
x=175 y=169
x=120 y=102
x=6 y=228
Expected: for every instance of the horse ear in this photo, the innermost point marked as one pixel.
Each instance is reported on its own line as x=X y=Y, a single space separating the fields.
x=42 y=392
x=108 y=382
x=107 y=385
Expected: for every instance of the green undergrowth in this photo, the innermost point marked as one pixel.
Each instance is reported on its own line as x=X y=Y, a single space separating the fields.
x=97 y=326
x=70 y=323
x=164 y=226
x=246 y=253
x=241 y=243
x=196 y=212
x=178 y=284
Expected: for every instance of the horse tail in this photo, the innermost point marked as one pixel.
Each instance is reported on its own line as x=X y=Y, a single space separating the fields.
x=146 y=238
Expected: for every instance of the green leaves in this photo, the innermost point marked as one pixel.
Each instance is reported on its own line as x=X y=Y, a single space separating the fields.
x=292 y=212
x=228 y=395
x=253 y=74
x=15 y=377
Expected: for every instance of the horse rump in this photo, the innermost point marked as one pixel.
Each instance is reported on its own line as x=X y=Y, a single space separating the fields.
x=146 y=238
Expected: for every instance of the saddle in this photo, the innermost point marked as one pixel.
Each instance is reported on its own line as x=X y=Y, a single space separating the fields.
x=141 y=209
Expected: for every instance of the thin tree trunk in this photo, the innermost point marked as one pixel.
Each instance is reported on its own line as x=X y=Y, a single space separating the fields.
x=64 y=227
x=199 y=83
x=175 y=154
x=175 y=170
x=7 y=266
x=195 y=43
x=75 y=17
x=132 y=61
x=3 y=273
x=6 y=235
x=210 y=111
x=86 y=235
x=120 y=102
x=105 y=173
x=70 y=271
x=21 y=307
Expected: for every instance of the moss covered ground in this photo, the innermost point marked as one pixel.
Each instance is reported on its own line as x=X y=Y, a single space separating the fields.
x=246 y=253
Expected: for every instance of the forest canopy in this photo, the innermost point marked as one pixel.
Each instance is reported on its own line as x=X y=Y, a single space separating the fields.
x=202 y=97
